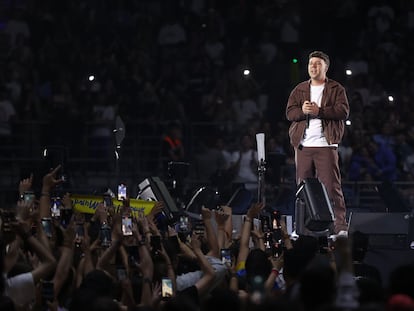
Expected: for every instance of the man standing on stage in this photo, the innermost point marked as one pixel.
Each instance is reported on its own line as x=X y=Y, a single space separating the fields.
x=318 y=109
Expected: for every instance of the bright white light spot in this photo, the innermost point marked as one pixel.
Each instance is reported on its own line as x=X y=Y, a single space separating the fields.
x=348 y=122
x=91 y=77
x=390 y=98
x=348 y=72
x=246 y=72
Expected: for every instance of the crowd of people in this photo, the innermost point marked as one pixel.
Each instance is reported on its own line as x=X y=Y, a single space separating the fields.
x=54 y=257
x=228 y=65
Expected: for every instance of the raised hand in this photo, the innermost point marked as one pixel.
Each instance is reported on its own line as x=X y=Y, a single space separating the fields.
x=195 y=242
x=24 y=210
x=257 y=233
x=221 y=217
x=101 y=213
x=26 y=184
x=117 y=234
x=66 y=201
x=50 y=180
x=158 y=207
x=172 y=231
x=255 y=210
x=206 y=213
x=69 y=234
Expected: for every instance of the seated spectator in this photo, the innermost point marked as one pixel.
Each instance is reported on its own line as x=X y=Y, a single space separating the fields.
x=20 y=285
x=384 y=167
x=209 y=160
x=7 y=116
x=244 y=163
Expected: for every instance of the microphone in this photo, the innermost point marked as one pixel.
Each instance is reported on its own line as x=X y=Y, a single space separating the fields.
x=308 y=116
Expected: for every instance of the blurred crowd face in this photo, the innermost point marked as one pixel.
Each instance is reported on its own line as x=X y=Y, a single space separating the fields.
x=246 y=143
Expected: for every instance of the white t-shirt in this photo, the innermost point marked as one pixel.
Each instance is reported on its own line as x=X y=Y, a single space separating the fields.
x=104 y=114
x=21 y=289
x=314 y=136
x=189 y=279
x=244 y=110
x=246 y=173
x=6 y=112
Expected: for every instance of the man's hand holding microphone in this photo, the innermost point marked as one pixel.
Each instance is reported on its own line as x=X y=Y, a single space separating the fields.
x=309 y=109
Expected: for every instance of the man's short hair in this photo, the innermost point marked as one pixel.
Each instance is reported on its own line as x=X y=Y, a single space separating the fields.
x=321 y=55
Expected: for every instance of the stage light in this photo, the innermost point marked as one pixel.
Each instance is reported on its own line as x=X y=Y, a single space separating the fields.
x=348 y=72
x=294 y=60
x=91 y=78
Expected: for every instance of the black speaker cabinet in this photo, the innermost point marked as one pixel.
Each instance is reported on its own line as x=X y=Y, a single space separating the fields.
x=384 y=230
x=153 y=189
x=313 y=207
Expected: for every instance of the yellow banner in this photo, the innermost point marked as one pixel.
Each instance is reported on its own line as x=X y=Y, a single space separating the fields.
x=88 y=204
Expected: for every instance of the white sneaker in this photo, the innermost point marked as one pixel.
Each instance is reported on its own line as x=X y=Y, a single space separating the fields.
x=294 y=236
x=341 y=233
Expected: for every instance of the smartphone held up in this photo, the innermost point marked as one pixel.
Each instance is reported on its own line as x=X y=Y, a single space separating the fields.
x=167 y=289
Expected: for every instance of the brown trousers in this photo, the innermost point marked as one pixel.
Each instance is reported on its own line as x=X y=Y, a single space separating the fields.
x=323 y=163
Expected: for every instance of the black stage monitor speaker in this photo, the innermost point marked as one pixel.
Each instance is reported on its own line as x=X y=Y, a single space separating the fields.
x=385 y=230
x=154 y=189
x=313 y=207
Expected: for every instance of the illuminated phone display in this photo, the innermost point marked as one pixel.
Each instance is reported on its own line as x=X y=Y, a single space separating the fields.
x=55 y=206
x=225 y=254
x=29 y=196
x=47 y=226
x=122 y=192
x=127 y=225
x=166 y=288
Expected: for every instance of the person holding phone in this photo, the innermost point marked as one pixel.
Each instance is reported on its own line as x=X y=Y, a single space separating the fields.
x=49 y=183
x=146 y=266
x=113 y=243
x=21 y=288
x=25 y=185
x=205 y=280
x=167 y=291
x=168 y=279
